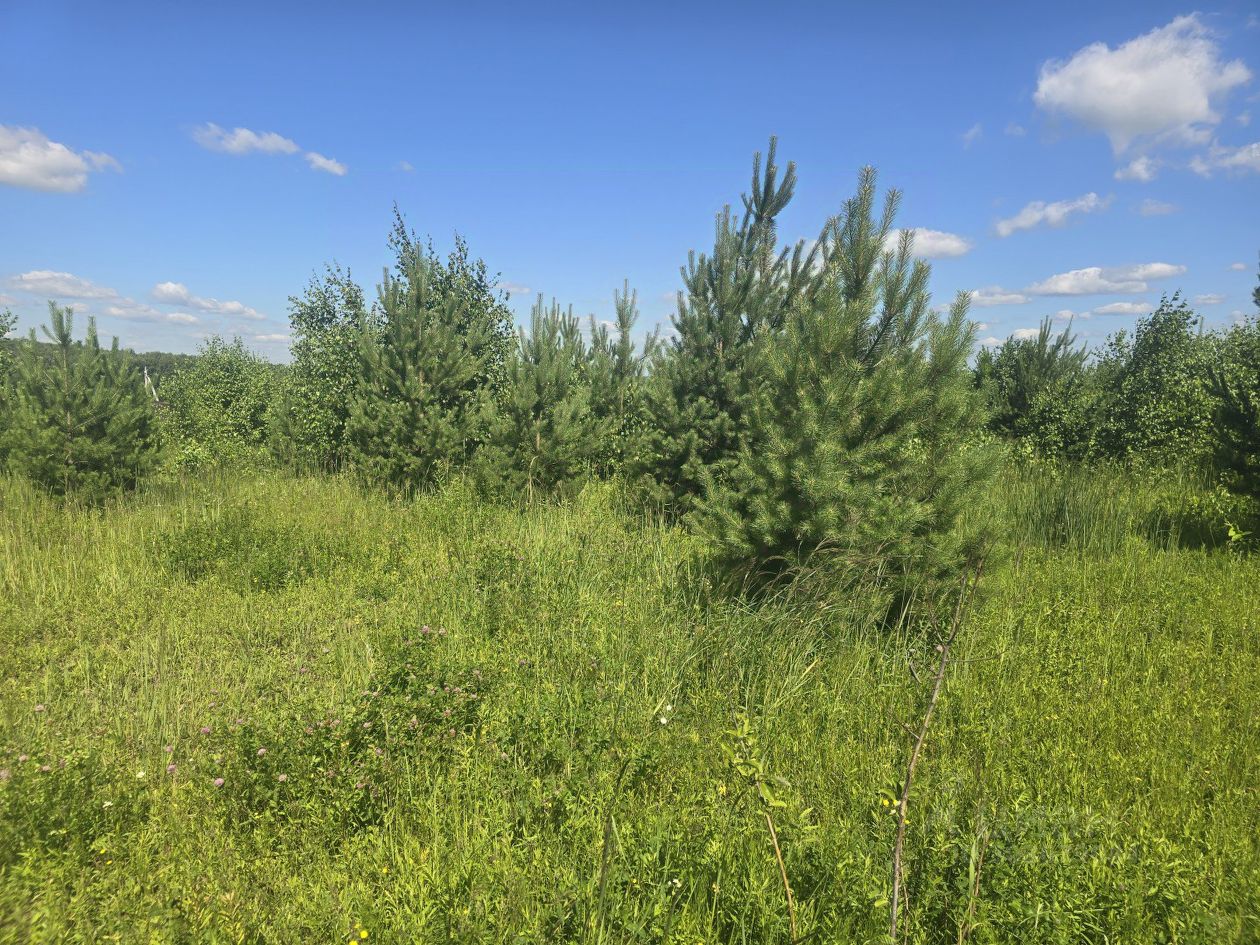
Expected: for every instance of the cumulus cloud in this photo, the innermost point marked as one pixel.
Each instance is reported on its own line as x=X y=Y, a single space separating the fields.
x=1095 y=280
x=516 y=288
x=1161 y=86
x=29 y=159
x=404 y=166
x=1022 y=333
x=242 y=141
x=272 y=337
x=1123 y=308
x=972 y=135
x=1140 y=169
x=1219 y=158
x=1050 y=214
x=1238 y=267
x=1209 y=298
x=932 y=244
x=320 y=163
x=996 y=295
x=1015 y=130
x=1155 y=208
x=176 y=293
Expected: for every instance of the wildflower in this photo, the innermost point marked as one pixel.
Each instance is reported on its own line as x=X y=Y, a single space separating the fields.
x=261 y=752
x=442 y=631
x=358 y=786
x=5 y=774
x=282 y=778
x=40 y=707
x=362 y=934
x=168 y=749
x=108 y=804
x=425 y=629
x=139 y=775
x=205 y=730
x=22 y=758
x=218 y=782
x=451 y=733
x=239 y=722
x=170 y=769
x=45 y=768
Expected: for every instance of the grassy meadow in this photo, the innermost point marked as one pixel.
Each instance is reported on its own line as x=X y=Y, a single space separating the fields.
x=276 y=709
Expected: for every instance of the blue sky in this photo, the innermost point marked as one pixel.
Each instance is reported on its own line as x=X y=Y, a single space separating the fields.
x=179 y=170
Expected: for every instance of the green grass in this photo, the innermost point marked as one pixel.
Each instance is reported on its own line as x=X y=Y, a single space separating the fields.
x=567 y=775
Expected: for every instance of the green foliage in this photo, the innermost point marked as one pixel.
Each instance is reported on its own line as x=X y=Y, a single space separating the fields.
x=1039 y=391
x=421 y=402
x=314 y=399
x=545 y=435
x=701 y=388
x=7 y=321
x=857 y=460
x=215 y=410
x=1158 y=405
x=81 y=423
x=1235 y=384
x=618 y=375
x=567 y=762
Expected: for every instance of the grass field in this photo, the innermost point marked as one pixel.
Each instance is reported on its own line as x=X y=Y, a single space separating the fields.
x=285 y=710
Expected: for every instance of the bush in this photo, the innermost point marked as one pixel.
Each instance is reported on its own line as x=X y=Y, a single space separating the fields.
x=215 y=410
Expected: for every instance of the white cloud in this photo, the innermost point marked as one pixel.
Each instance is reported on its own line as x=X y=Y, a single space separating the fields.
x=515 y=288
x=131 y=310
x=1014 y=130
x=1209 y=298
x=242 y=140
x=1155 y=208
x=990 y=342
x=1022 y=333
x=176 y=293
x=1094 y=280
x=1162 y=85
x=1244 y=119
x=1051 y=214
x=320 y=163
x=273 y=337
x=996 y=295
x=1141 y=169
x=932 y=244
x=29 y=159
x=972 y=135
x=1066 y=314
x=1123 y=308
x=404 y=166
x=1238 y=267
x=60 y=285
x=1244 y=158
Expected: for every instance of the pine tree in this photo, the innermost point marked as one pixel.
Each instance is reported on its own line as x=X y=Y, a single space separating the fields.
x=701 y=389
x=545 y=436
x=856 y=463
x=80 y=421
x=419 y=405
x=618 y=370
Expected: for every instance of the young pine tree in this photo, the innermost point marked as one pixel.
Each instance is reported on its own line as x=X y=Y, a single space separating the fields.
x=618 y=369
x=702 y=387
x=80 y=421
x=545 y=436
x=857 y=462
x=420 y=402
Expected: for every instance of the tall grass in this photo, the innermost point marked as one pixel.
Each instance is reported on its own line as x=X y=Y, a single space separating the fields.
x=484 y=724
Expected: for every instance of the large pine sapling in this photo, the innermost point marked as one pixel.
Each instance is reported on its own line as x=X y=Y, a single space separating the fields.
x=80 y=420
x=544 y=435
x=700 y=392
x=420 y=404
x=857 y=461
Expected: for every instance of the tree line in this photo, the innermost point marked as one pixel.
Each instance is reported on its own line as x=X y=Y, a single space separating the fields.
x=811 y=408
